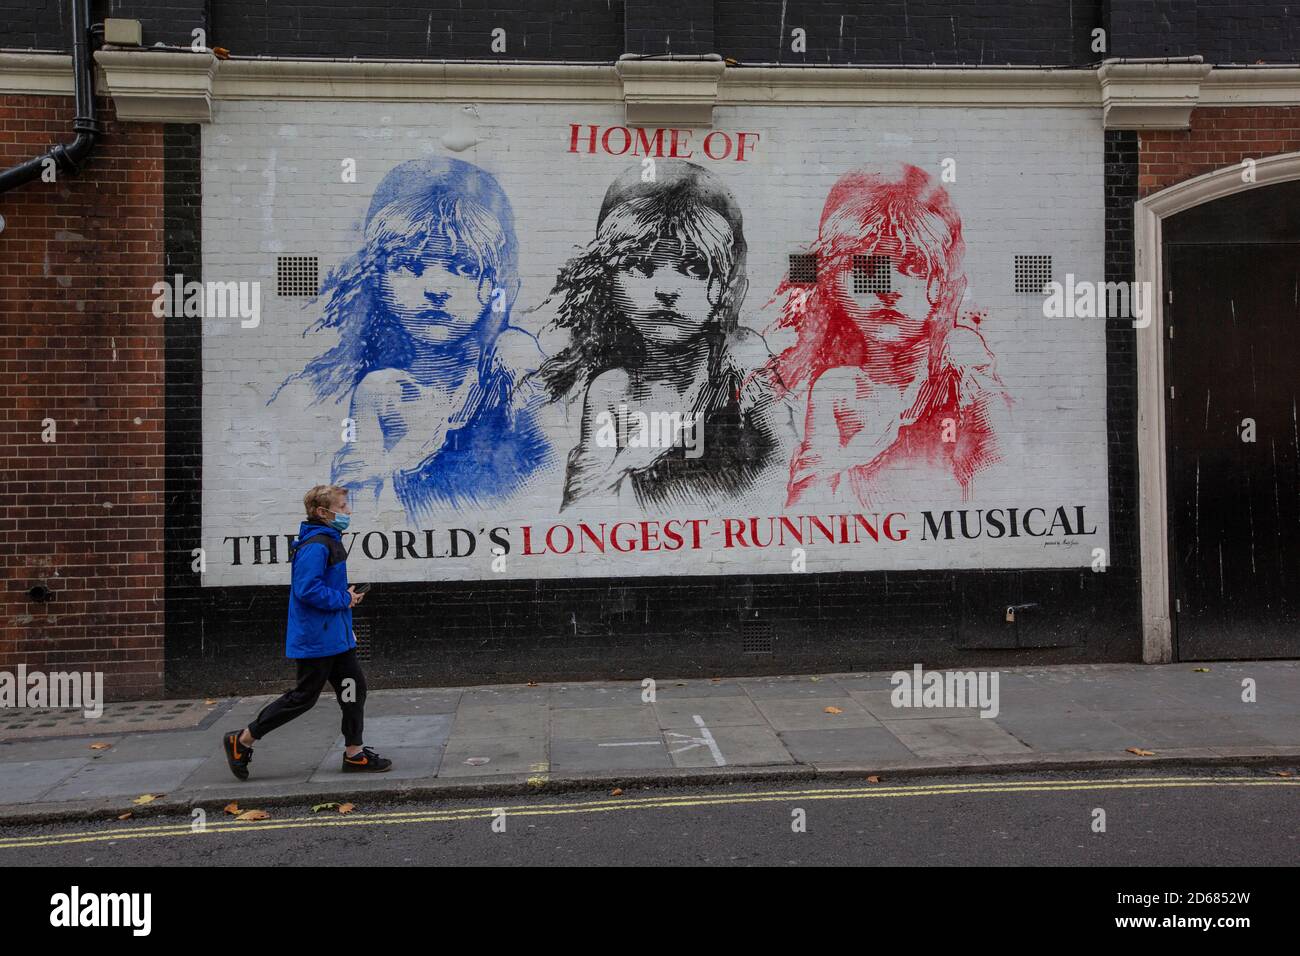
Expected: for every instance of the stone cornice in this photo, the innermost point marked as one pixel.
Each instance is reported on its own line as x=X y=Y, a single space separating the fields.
x=670 y=92
x=907 y=86
x=1150 y=95
x=153 y=86
x=181 y=86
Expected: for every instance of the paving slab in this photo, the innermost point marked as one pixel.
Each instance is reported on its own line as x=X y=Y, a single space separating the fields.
x=162 y=747
x=505 y=755
x=56 y=749
x=275 y=759
x=879 y=703
x=408 y=763
x=605 y=723
x=955 y=737
x=98 y=779
x=28 y=780
x=856 y=747
x=714 y=711
x=501 y=719
x=586 y=696
x=396 y=703
x=579 y=756
x=513 y=694
x=789 y=687
x=684 y=689
x=405 y=730
x=1069 y=733
x=1189 y=729
x=851 y=683
x=743 y=746
x=809 y=713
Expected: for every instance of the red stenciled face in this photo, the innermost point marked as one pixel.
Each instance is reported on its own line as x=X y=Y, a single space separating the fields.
x=871 y=354
x=887 y=296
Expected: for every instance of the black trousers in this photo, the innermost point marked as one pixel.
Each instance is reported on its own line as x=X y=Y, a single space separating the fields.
x=313 y=672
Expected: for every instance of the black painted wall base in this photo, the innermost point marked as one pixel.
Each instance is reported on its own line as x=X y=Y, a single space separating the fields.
x=509 y=632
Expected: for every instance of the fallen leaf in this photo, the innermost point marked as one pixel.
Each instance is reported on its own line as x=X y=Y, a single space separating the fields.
x=100 y=746
x=532 y=683
x=210 y=701
x=126 y=816
x=346 y=808
x=833 y=710
x=146 y=798
x=814 y=679
x=233 y=809
x=1282 y=773
x=323 y=806
x=1139 y=751
x=616 y=792
x=873 y=779
x=254 y=815
x=1201 y=670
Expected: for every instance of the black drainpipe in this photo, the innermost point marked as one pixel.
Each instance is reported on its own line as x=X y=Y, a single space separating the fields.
x=68 y=157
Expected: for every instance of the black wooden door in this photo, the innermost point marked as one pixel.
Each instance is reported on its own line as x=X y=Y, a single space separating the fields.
x=1234 y=504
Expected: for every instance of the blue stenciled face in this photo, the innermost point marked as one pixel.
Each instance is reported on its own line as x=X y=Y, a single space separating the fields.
x=434 y=293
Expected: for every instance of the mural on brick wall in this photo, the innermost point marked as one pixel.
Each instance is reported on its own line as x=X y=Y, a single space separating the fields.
x=606 y=352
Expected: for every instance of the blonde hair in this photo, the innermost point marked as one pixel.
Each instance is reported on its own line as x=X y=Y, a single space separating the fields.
x=322 y=496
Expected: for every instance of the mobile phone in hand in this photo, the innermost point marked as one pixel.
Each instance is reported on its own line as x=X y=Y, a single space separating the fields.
x=361 y=588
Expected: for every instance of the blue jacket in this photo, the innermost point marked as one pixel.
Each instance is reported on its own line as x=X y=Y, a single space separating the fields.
x=320 y=620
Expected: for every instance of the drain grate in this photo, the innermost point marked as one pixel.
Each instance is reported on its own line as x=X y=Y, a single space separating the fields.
x=21 y=723
x=756 y=637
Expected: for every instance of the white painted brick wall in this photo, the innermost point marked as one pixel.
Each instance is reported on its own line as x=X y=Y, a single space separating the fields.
x=1028 y=181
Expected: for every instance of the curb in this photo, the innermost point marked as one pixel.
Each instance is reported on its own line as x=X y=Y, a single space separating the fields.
x=512 y=785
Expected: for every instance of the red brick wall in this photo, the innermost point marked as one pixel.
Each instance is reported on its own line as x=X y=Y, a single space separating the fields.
x=1219 y=137
x=79 y=344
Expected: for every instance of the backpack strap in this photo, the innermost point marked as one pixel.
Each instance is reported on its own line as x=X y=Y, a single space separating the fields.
x=337 y=552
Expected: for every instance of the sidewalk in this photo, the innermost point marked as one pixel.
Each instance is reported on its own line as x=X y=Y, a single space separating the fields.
x=515 y=738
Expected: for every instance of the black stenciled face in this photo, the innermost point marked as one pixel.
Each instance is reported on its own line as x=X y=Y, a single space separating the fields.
x=664 y=291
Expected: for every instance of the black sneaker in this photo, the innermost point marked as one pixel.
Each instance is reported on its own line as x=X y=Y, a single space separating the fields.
x=237 y=755
x=365 y=762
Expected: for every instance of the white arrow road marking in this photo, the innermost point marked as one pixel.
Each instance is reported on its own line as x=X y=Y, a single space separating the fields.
x=633 y=743
x=704 y=740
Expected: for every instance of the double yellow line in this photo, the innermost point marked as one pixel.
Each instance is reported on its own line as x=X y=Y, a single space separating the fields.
x=607 y=804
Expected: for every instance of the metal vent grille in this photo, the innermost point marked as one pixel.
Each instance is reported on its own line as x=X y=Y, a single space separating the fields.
x=756 y=637
x=361 y=628
x=872 y=274
x=803 y=267
x=1032 y=273
x=297 y=276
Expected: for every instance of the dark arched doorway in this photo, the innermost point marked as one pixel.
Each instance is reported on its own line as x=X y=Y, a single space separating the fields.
x=1232 y=353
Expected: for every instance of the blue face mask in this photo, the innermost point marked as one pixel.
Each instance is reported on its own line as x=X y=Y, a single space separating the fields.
x=341 y=521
